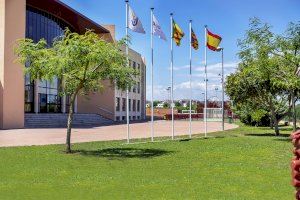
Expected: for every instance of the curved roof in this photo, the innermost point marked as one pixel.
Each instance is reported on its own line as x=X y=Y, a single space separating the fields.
x=78 y=21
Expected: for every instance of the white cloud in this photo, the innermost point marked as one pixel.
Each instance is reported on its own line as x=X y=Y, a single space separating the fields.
x=182 y=89
x=179 y=68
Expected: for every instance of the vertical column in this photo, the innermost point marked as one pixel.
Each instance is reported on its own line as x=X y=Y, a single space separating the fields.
x=12 y=27
x=36 y=96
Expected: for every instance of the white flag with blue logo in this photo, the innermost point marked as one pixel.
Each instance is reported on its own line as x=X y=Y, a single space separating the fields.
x=157 y=29
x=134 y=22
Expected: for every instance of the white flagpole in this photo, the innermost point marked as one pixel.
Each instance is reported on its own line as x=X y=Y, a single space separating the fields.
x=205 y=101
x=127 y=90
x=190 y=124
x=223 y=111
x=152 y=66
x=172 y=84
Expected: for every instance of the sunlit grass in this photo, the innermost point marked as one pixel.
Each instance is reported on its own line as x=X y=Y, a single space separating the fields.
x=245 y=163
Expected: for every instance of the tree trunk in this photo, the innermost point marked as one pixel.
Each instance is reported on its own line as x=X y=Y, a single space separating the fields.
x=271 y=122
x=294 y=112
x=69 y=129
x=70 y=120
x=276 y=127
x=275 y=120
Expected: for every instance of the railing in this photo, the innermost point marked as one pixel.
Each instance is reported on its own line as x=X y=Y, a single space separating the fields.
x=105 y=110
x=106 y=113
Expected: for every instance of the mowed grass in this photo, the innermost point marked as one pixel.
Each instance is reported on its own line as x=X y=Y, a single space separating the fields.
x=245 y=163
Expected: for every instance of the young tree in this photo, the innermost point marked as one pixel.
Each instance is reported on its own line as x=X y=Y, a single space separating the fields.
x=288 y=51
x=264 y=76
x=82 y=62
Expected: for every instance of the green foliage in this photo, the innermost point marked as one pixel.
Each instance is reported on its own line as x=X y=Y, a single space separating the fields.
x=266 y=81
x=166 y=105
x=155 y=103
x=81 y=61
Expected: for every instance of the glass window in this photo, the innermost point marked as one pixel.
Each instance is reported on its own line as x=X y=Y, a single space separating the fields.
x=134 y=65
x=40 y=24
x=134 y=105
x=123 y=104
x=139 y=69
x=117 y=104
x=138 y=105
x=129 y=104
x=134 y=89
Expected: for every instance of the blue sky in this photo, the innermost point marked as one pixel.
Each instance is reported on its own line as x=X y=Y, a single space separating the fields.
x=228 y=18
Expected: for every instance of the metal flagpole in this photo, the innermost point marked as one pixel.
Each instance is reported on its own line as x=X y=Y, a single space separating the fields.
x=172 y=84
x=223 y=112
x=205 y=100
x=152 y=66
x=190 y=125
x=127 y=90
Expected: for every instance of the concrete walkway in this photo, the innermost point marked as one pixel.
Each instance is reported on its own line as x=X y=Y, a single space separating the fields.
x=28 y=137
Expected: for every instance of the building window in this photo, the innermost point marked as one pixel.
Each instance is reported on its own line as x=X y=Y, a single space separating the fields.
x=117 y=118
x=134 y=89
x=123 y=104
x=117 y=104
x=29 y=94
x=49 y=98
x=134 y=105
x=138 y=105
x=133 y=117
x=138 y=117
x=129 y=104
x=139 y=69
x=134 y=65
x=40 y=25
x=123 y=118
x=138 y=88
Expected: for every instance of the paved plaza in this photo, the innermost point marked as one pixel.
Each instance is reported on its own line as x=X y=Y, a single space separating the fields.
x=28 y=137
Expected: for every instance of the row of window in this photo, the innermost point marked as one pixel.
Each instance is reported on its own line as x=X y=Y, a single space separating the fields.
x=118 y=118
x=136 y=88
x=136 y=104
x=135 y=66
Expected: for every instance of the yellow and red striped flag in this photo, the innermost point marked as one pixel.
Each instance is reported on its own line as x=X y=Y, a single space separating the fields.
x=178 y=34
x=213 y=41
x=194 y=41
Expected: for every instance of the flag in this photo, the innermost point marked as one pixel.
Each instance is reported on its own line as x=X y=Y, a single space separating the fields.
x=213 y=41
x=178 y=34
x=157 y=29
x=194 y=41
x=134 y=22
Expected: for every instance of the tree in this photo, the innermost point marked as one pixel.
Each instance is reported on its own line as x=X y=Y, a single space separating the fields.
x=288 y=50
x=264 y=79
x=82 y=62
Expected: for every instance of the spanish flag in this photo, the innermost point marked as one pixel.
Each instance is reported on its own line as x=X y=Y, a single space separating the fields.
x=213 y=41
x=194 y=40
x=178 y=34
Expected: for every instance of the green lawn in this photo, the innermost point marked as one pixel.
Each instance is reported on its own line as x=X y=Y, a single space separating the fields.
x=246 y=163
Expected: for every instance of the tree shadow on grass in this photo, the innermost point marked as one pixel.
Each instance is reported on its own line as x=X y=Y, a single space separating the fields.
x=117 y=153
x=267 y=135
x=281 y=137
